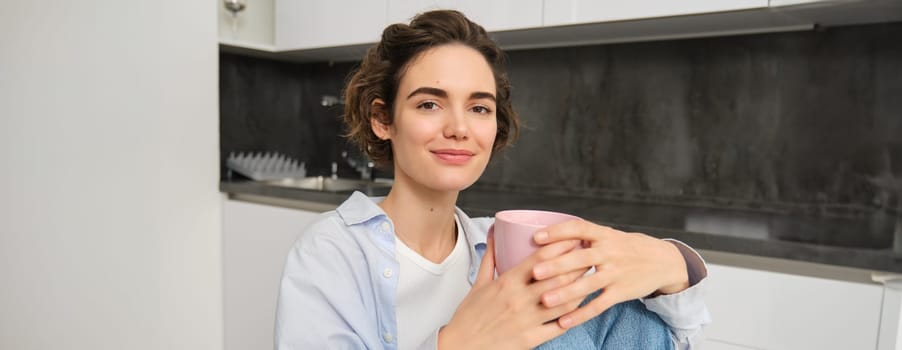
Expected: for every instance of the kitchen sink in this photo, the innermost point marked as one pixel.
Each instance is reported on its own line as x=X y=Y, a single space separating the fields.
x=328 y=184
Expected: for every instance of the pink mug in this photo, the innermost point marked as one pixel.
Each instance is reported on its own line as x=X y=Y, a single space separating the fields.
x=513 y=230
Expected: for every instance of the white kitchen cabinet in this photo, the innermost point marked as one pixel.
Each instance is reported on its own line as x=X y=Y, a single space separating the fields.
x=777 y=3
x=492 y=15
x=839 y=12
x=768 y=310
x=310 y=24
x=342 y=30
x=252 y=27
x=564 y=12
x=256 y=241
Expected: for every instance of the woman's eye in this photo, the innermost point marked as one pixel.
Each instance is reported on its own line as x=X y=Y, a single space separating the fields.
x=482 y=110
x=428 y=106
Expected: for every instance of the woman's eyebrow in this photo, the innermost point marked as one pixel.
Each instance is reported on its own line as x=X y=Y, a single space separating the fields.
x=444 y=94
x=429 y=91
x=482 y=94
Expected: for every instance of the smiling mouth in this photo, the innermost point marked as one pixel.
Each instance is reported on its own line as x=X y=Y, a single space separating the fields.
x=453 y=156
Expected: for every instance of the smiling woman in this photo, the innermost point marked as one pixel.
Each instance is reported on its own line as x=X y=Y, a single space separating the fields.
x=380 y=72
x=412 y=270
x=442 y=133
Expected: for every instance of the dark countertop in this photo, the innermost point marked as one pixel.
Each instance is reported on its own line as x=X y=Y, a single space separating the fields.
x=861 y=239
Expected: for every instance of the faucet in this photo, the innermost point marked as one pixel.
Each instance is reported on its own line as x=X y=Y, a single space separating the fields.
x=364 y=167
x=331 y=100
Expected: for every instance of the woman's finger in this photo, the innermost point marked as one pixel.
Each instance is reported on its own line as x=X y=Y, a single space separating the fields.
x=541 y=287
x=577 y=290
x=543 y=334
x=594 y=308
x=551 y=315
x=578 y=259
x=487 y=267
x=523 y=270
x=548 y=327
x=574 y=229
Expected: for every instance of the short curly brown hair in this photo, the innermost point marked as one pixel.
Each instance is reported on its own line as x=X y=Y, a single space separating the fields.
x=380 y=72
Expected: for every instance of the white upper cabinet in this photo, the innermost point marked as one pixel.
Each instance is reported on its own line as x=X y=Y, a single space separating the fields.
x=320 y=30
x=777 y=3
x=496 y=15
x=310 y=24
x=251 y=27
x=791 y=2
x=563 y=12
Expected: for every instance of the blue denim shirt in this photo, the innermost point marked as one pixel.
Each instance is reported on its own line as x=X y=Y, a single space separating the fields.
x=340 y=279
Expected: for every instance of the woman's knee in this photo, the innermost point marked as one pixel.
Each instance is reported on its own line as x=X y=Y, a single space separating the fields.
x=629 y=325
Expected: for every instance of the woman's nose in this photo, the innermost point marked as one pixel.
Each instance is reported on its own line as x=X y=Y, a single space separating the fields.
x=456 y=125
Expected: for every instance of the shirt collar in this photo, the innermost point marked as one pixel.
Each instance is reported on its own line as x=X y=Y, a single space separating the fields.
x=359 y=209
x=476 y=236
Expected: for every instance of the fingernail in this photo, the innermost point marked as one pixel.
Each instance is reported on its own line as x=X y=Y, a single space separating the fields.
x=551 y=299
x=541 y=237
x=565 y=322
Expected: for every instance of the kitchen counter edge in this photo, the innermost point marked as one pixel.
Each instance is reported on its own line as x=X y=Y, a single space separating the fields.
x=841 y=263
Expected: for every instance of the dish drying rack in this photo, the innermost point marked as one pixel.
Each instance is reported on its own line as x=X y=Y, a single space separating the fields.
x=265 y=166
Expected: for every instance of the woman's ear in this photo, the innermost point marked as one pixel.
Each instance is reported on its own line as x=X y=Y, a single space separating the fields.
x=379 y=118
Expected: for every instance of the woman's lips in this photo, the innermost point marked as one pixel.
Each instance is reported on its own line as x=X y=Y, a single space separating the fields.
x=453 y=156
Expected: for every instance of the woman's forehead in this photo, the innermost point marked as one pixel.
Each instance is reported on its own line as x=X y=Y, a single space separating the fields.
x=454 y=68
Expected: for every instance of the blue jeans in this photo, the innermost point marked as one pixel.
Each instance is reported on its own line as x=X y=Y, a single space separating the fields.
x=628 y=325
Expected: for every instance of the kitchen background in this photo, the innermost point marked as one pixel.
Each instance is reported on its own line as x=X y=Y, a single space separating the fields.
x=117 y=231
x=810 y=121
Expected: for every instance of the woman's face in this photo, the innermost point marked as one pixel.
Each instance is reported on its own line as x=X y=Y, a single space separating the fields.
x=444 y=122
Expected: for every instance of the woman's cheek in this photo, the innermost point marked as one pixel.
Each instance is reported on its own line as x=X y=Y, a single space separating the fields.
x=487 y=134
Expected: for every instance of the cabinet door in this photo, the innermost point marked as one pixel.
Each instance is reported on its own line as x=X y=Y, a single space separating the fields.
x=307 y=24
x=252 y=27
x=768 y=310
x=492 y=15
x=776 y=3
x=256 y=240
x=562 y=12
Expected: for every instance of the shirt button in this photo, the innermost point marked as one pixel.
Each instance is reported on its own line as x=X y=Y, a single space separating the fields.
x=386 y=226
x=388 y=338
x=387 y=273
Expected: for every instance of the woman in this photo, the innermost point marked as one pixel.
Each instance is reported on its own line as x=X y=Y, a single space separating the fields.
x=413 y=271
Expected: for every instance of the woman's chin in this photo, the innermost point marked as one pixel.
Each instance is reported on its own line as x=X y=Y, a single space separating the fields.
x=450 y=184
x=442 y=179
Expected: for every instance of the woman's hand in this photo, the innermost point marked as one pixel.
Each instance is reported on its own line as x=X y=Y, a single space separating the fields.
x=506 y=313
x=627 y=265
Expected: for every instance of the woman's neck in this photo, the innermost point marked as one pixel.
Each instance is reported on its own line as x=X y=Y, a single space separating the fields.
x=423 y=218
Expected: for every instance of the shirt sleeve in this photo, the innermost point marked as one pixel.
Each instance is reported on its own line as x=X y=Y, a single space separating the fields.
x=317 y=306
x=685 y=312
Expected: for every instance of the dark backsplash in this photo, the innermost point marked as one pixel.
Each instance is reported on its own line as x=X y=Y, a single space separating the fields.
x=801 y=117
x=276 y=106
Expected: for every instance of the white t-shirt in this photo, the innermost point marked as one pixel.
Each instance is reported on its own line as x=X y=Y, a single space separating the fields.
x=430 y=292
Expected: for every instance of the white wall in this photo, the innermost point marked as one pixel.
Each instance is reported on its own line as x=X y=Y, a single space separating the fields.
x=109 y=208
